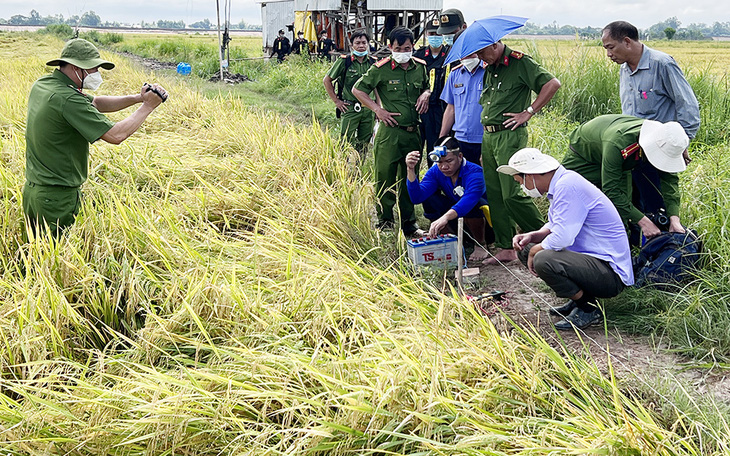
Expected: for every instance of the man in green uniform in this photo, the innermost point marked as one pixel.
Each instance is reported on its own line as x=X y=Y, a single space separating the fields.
x=356 y=123
x=509 y=80
x=606 y=149
x=402 y=84
x=62 y=121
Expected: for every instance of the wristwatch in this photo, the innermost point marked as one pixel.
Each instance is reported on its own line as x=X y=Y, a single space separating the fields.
x=530 y=110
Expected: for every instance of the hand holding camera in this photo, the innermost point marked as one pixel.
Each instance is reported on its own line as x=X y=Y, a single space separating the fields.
x=156 y=89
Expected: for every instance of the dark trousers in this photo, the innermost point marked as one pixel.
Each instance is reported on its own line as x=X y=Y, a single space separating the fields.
x=438 y=204
x=431 y=127
x=472 y=152
x=569 y=272
x=646 y=197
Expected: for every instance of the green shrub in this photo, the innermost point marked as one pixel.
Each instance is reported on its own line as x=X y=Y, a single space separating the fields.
x=110 y=38
x=63 y=31
x=92 y=35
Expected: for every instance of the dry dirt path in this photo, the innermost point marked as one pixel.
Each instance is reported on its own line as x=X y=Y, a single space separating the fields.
x=633 y=356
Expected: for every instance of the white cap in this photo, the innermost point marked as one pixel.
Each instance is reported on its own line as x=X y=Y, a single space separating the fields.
x=529 y=161
x=663 y=144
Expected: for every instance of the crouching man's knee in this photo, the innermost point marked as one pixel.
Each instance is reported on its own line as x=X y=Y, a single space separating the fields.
x=544 y=262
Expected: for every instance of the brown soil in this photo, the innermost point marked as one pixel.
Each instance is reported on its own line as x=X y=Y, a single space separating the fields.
x=150 y=64
x=631 y=355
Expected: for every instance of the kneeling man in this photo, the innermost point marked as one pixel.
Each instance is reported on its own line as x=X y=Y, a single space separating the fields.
x=454 y=187
x=582 y=252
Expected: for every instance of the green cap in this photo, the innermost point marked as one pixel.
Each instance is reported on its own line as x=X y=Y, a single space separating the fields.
x=82 y=54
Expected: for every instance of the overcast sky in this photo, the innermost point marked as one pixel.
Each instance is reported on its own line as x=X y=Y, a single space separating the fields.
x=641 y=13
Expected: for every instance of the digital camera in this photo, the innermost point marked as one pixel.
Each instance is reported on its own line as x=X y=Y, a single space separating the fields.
x=660 y=219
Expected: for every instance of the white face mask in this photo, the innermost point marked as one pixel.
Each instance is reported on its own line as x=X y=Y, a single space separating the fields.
x=470 y=64
x=531 y=192
x=92 y=81
x=402 y=57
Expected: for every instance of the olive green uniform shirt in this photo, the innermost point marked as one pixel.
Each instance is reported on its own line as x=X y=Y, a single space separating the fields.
x=354 y=71
x=61 y=124
x=596 y=153
x=399 y=89
x=508 y=85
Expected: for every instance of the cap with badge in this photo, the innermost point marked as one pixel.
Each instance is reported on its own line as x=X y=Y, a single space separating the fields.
x=450 y=21
x=432 y=24
x=81 y=53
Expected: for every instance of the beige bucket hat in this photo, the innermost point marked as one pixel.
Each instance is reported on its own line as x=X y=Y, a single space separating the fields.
x=663 y=144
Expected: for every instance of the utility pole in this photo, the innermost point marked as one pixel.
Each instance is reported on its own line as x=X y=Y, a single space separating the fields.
x=220 y=47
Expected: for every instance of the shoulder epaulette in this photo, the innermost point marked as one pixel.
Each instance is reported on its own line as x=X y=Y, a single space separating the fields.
x=516 y=54
x=631 y=150
x=416 y=59
x=382 y=62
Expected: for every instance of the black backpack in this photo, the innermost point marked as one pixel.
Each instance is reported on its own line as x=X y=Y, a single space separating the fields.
x=668 y=260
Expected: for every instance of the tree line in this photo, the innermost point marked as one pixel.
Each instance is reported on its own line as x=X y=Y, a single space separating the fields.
x=91 y=19
x=669 y=29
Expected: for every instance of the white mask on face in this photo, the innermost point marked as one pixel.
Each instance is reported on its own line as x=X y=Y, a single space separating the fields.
x=402 y=57
x=92 y=81
x=470 y=64
x=531 y=192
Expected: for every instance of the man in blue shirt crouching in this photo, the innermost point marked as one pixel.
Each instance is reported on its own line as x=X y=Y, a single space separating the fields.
x=582 y=252
x=454 y=187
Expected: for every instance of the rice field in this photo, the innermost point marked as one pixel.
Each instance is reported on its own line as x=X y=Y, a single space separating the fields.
x=223 y=292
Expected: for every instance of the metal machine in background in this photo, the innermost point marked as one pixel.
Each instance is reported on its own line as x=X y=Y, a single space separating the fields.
x=340 y=17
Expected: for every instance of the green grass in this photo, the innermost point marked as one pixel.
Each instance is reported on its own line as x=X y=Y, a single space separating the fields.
x=223 y=292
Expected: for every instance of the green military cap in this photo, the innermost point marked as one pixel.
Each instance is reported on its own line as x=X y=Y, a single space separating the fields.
x=451 y=19
x=82 y=54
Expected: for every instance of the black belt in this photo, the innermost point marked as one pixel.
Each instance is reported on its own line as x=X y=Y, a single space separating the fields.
x=409 y=129
x=356 y=106
x=496 y=128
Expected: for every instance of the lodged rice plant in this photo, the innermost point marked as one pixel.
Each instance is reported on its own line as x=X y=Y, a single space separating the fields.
x=223 y=292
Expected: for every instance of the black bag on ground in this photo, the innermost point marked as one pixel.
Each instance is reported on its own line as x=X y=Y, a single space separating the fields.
x=668 y=259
